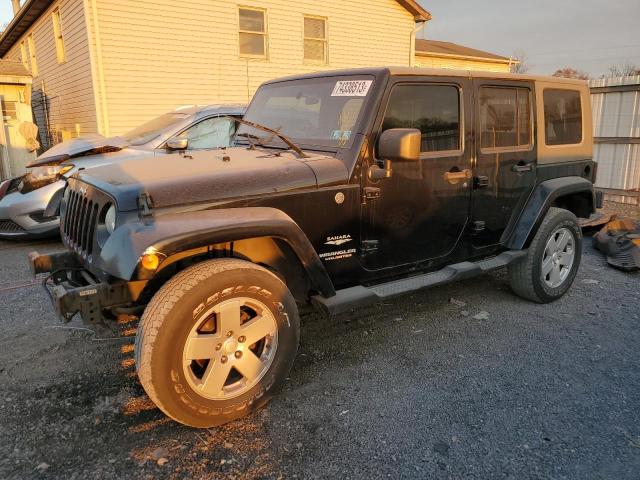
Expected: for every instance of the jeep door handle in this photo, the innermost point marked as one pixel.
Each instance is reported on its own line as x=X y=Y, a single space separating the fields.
x=522 y=167
x=455 y=177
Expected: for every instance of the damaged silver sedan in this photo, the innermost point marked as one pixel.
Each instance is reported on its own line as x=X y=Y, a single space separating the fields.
x=29 y=205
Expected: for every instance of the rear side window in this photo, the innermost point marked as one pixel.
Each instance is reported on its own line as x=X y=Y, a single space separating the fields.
x=562 y=117
x=505 y=117
x=432 y=109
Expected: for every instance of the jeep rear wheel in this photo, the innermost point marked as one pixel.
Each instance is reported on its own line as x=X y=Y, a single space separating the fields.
x=552 y=260
x=217 y=341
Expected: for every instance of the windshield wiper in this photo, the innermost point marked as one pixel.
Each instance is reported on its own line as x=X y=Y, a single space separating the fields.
x=273 y=132
x=251 y=139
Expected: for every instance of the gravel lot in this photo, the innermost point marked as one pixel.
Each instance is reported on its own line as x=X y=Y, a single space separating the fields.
x=426 y=386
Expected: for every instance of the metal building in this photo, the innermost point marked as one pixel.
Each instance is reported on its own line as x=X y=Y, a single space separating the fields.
x=616 y=121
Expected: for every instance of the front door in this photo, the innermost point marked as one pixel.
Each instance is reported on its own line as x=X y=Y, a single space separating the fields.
x=504 y=172
x=421 y=211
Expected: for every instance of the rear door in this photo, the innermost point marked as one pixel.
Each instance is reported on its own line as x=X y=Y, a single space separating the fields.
x=420 y=213
x=505 y=150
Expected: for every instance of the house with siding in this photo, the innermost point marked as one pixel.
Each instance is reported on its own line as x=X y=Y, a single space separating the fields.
x=105 y=66
x=438 y=54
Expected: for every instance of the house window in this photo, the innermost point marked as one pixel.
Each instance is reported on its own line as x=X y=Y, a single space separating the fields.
x=57 y=33
x=315 y=39
x=9 y=110
x=24 y=56
x=562 y=117
x=32 y=55
x=253 y=32
x=505 y=118
x=432 y=109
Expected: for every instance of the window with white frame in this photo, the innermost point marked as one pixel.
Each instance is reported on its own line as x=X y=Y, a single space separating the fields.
x=252 y=32
x=58 y=37
x=315 y=39
x=23 y=55
x=32 y=55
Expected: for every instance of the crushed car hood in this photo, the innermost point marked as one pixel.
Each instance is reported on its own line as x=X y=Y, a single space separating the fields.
x=213 y=176
x=78 y=147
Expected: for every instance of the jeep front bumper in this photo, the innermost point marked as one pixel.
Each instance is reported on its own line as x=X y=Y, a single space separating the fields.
x=73 y=289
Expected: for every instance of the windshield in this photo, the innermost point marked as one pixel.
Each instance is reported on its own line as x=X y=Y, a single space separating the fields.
x=312 y=111
x=153 y=128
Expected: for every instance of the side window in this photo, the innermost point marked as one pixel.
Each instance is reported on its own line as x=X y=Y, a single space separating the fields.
x=432 y=109
x=505 y=117
x=210 y=133
x=562 y=117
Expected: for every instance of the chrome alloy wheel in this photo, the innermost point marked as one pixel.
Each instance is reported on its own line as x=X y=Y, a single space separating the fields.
x=558 y=258
x=230 y=348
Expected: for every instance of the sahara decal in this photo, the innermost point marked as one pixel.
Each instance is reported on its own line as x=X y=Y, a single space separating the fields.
x=338 y=240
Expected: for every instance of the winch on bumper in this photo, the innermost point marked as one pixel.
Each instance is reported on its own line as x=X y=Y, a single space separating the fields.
x=73 y=289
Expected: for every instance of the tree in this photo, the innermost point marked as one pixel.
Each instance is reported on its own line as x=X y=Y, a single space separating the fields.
x=623 y=70
x=569 y=72
x=521 y=64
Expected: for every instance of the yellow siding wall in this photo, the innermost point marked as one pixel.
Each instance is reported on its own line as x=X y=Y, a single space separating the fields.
x=459 y=64
x=159 y=54
x=68 y=86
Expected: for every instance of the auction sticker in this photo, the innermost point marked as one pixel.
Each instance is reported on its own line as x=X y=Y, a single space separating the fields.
x=352 y=88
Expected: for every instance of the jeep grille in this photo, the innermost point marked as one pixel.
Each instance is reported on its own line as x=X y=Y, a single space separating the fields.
x=79 y=217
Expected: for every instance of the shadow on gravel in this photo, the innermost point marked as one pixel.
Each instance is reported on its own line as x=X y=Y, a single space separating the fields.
x=450 y=381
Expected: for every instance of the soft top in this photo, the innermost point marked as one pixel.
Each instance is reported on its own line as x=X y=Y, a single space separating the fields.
x=432 y=72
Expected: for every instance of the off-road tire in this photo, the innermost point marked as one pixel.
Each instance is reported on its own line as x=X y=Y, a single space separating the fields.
x=526 y=274
x=169 y=318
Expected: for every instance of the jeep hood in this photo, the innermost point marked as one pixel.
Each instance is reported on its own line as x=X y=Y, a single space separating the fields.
x=78 y=147
x=213 y=176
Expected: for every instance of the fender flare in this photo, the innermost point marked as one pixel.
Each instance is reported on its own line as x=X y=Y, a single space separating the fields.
x=178 y=232
x=542 y=198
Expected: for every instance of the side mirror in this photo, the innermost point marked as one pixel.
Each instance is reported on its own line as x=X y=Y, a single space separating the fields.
x=177 y=144
x=400 y=145
x=396 y=145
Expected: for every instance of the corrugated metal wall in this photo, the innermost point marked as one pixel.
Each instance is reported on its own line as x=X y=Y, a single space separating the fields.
x=616 y=121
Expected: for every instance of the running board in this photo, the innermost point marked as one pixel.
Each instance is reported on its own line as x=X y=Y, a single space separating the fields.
x=360 y=296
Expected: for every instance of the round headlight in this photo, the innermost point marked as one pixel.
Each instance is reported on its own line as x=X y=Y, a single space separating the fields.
x=110 y=219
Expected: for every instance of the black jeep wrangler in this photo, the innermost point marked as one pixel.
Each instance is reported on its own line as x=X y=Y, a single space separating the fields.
x=343 y=188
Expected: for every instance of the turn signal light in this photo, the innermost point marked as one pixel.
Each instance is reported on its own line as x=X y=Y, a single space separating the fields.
x=150 y=260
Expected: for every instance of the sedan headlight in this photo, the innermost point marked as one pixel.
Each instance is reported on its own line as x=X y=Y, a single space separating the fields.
x=110 y=219
x=48 y=172
x=38 y=177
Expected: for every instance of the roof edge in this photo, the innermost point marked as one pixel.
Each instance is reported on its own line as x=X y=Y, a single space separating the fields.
x=30 y=11
x=419 y=13
x=467 y=57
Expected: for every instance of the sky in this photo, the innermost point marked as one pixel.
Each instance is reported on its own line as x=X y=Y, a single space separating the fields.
x=587 y=35
x=6 y=11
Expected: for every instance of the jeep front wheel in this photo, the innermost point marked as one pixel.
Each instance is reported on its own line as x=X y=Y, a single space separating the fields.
x=552 y=260
x=217 y=341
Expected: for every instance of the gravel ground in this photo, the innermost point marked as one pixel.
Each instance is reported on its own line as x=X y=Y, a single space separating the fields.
x=461 y=381
x=622 y=210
